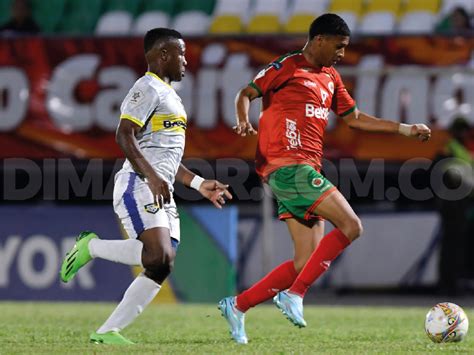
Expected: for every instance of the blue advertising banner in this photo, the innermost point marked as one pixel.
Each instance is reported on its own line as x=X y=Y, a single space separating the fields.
x=35 y=239
x=33 y=242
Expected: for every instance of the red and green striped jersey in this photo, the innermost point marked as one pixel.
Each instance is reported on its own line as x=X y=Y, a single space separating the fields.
x=296 y=99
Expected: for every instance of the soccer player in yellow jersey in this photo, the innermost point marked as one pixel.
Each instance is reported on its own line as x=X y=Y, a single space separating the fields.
x=151 y=134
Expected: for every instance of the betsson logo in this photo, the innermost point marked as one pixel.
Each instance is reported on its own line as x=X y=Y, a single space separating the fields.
x=318 y=112
x=292 y=134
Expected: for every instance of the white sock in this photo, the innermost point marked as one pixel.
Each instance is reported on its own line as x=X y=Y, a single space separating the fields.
x=128 y=251
x=138 y=295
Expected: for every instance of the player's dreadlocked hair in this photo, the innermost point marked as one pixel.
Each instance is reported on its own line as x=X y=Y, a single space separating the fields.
x=159 y=34
x=329 y=24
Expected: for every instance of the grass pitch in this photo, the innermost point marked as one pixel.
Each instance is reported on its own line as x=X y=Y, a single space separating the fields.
x=63 y=328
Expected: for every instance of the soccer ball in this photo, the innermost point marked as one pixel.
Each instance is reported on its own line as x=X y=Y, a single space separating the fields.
x=446 y=322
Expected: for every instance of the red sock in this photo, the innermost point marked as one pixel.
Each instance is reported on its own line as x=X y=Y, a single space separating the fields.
x=328 y=249
x=280 y=278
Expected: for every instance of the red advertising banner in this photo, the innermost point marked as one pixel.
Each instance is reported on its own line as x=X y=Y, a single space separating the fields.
x=61 y=97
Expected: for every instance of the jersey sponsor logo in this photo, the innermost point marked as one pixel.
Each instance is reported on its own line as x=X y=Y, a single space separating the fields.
x=136 y=97
x=172 y=124
x=317 y=182
x=317 y=112
x=152 y=208
x=324 y=95
x=292 y=134
x=276 y=65
x=309 y=84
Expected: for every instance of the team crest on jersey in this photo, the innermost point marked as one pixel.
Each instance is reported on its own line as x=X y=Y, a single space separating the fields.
x=317 y=182
x=331 y=87
x=152 y=208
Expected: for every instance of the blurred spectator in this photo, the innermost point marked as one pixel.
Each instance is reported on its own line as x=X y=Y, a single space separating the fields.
x=457 y=222
x=458 y=21
x=21 y=21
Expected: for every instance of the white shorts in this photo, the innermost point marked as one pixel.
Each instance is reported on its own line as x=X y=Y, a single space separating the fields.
x=135 y=207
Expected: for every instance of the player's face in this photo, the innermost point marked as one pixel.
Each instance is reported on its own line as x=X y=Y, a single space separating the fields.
x=329 y=49
x=177 y=61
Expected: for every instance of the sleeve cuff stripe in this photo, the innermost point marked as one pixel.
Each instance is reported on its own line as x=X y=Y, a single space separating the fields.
x=133 y=119
x=255 y=86
x=352 y=109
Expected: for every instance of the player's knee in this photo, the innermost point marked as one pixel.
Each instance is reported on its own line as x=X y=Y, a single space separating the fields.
x=353 y=228
x=356 y=229
x=159 y=265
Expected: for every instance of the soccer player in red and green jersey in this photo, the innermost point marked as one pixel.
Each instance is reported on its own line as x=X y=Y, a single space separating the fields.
x=298 y=91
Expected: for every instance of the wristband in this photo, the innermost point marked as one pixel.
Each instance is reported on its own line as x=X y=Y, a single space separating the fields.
x=196 y=182
x=405 y=129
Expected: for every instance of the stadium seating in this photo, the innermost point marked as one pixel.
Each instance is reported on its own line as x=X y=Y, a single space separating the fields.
x=193 y=16
x=206 y=6
x=47 y=14
x=417 y=22
x=368 y=17
x=148 y=20
x=377 y=23
x=5 y=6
x=349 y=10
x=229 y=16
x=354 y=6
x=115 y=22
x=431 y=6
x=130 y=6
x=191 y=22
x=380 y=17
x=80 y=17
x=267 y=19
x=166 y=6
x=302 y=13
x=419 y=16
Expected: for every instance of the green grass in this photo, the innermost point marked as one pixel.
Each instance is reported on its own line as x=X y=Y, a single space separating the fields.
x=63 y=328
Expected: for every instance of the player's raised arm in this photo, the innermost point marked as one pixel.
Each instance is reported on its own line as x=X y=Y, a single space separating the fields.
x=126 y=139
x=213 y=190
x=366 y=122
x=242 y=106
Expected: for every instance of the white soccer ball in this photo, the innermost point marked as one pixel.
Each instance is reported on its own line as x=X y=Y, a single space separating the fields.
x=446 y=322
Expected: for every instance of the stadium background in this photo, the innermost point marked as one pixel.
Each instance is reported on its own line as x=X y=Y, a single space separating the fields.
x=61 y=90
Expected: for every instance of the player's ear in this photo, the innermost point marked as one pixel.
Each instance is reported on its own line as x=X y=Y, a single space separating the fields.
x=318 y=40
x=164 y=54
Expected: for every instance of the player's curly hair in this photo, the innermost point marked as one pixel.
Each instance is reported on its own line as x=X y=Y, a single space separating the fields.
x=159 y=34
x=329 y=24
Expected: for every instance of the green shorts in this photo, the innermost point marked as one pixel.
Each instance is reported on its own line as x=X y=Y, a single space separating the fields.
x=299 y=189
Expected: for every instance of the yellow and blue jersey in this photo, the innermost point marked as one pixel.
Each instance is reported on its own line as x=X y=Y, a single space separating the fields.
x=155 y=106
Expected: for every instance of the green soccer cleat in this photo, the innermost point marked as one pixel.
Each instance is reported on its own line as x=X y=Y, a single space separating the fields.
x=77 y=257
x=110 y=338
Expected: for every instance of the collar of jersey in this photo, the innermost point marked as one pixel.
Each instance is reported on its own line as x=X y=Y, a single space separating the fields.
x=157 y=77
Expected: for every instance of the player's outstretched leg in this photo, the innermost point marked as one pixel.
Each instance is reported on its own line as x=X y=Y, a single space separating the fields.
x=235 y=319
x=291 y=306
x=77 y=257
x=110 y=338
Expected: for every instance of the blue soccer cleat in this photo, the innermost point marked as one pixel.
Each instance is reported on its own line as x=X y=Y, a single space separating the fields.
x=235 y=318
x=291 y=306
